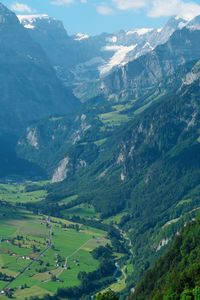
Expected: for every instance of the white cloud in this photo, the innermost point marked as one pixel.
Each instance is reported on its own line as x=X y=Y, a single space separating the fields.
x=153 y=8
x=160 y=8
x=105 y=10
x=130 y=4
x=187 y=10
x=22 y=8
x=62 y=2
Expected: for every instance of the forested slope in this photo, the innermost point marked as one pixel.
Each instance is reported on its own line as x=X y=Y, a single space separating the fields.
x=176 y=276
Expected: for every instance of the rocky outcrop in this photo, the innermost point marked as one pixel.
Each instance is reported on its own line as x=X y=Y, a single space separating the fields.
x=60 y=173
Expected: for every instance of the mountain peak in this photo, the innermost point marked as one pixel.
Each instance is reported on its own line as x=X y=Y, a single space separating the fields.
x=7 y=16
x=176 y=21
x=194 y=24
x=28 y=20
x=43 y=23
x=81 y=36
x=3 y=8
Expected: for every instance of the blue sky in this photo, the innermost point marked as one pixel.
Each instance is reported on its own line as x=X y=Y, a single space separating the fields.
x=96 y=16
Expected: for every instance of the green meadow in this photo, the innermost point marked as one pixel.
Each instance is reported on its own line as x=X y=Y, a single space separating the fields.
x=81 y=210
x=20 y=192
x=37 y=265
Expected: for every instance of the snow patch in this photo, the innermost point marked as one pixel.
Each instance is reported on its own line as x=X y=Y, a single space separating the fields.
x=139 y=31
x=28 y=20
x=118 y=59
x=181 y=25
x=112 y=39
x=194 y=27
x=159 y=29
x=29 y=26
x=148 y=46
x=81 y=36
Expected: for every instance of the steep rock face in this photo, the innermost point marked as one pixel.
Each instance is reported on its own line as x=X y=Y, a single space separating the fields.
x=60 y=173
x=142 y=76
x=152 y=38
x=29 y=86
x=62 y=146
x=81 y=61
x=62 y=51
x=81 y=137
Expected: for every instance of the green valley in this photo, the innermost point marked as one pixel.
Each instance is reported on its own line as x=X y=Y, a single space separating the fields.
x=100 y=194
x=40 y=254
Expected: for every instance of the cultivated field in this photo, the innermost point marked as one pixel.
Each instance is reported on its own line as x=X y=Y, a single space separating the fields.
x=38 y=254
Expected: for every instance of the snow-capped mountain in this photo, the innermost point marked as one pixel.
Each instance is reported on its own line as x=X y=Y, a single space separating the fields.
x=30 y=20
x=140 y=42
x=29 y=86
x=143 y=75
x=81 y=36
x=82 y=60
x=194 y=24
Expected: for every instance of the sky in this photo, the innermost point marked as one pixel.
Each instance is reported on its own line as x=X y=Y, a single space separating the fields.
x=97 y=16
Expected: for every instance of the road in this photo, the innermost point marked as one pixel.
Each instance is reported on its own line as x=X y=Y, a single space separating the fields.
x=72 y=254
x=33 y=261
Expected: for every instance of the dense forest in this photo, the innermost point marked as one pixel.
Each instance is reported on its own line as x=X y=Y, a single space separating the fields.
x=176 y=275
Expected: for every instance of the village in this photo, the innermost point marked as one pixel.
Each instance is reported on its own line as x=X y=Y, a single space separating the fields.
x=52 y=254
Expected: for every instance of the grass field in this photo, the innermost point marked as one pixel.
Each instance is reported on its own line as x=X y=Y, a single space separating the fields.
x=68 y=199
x=113 y=118
x=23 y=237
x=15 y=192
x=115 y=219
x=81 y=210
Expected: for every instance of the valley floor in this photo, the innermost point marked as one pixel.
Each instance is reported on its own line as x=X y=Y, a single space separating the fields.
x=39 y=254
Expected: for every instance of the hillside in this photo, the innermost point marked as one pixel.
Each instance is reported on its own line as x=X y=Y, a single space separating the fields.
x=93 y=191
x=148 y=169
x=30 y=89
x=82 y=61
x=80 y=137
x=142 y=77
x=175 y=275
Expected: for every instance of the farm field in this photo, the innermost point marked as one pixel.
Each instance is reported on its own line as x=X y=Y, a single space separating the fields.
x=39 y=254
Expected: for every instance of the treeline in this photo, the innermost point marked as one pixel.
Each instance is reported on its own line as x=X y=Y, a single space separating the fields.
x=108 y=295
x=4 y=277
